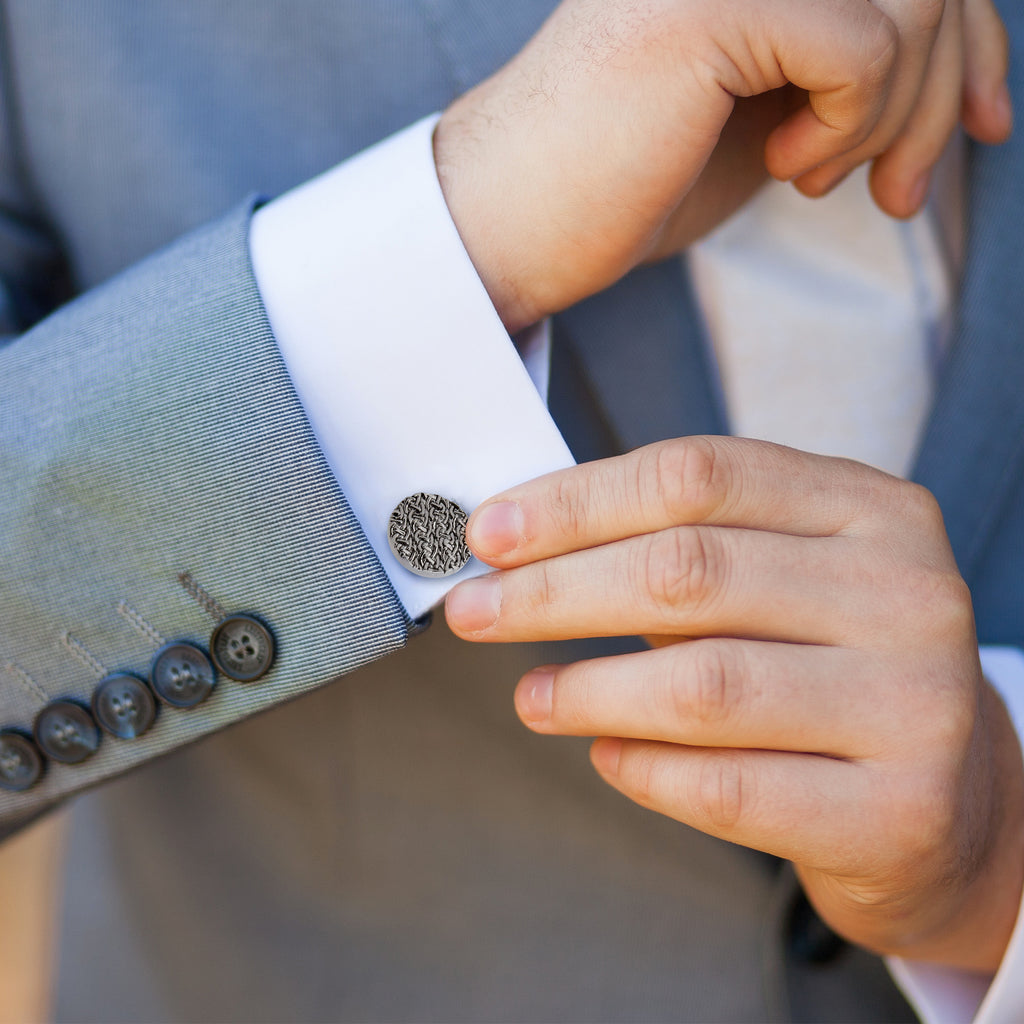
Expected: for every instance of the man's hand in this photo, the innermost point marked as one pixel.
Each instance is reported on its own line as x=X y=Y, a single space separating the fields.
x=596 y=147
x=827 y=705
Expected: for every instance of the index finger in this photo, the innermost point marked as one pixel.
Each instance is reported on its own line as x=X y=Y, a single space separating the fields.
x=723 y=481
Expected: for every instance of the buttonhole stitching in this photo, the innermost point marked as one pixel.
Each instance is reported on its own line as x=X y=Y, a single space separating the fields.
x=139 y=624
x=201 y=596
x=26 y=682
x=78 y=651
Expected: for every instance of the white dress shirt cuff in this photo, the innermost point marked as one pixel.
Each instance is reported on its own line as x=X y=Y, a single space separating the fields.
x=941 y=995
x=407 y=375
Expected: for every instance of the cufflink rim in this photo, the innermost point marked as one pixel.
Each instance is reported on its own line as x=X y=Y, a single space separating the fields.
x=398 y=521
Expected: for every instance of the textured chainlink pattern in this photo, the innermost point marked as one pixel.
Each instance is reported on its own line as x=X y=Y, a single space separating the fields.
x=427 y=533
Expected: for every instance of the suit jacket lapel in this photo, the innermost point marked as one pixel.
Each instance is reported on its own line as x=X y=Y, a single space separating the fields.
x=639 y=349
x=973 y=449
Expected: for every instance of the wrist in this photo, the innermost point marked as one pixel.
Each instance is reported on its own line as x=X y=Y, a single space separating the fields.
x=992 y=900
x=478 y=201
x=976 y=929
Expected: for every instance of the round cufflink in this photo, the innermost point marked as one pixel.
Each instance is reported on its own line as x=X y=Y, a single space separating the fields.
x=427 y=534
x=182 y=675
x=66 y=732
x=21 y=764
x=124 y=706
x=242 y=648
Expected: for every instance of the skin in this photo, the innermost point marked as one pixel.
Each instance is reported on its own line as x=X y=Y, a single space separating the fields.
x=625 y=129
x=815 y=689
x=815 y=692
x=697 y=104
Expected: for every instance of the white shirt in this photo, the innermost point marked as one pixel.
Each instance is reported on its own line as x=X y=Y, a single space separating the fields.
x=390 y=338
x=405 y=371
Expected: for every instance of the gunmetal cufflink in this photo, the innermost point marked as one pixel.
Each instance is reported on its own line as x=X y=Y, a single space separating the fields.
x=427 y=534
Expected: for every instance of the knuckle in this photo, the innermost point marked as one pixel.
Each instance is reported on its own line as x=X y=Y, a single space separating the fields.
x=940 y=603
x=928 y=815
x=953 y=723
x=537 y=600
x=937 y=723
x=568 y=507
x=666 y=471
x=921 y=507
x=688 y=475
x=703 y=690
x=678 y=570
x=951 y=598
x=701 y=473
x=948 y=708
x=725 y=790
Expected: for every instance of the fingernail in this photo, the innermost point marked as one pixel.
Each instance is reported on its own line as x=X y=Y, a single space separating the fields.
x=919 y=190
x=497 y=528
x=606 y=754
x=533 y=695
x=474 y=605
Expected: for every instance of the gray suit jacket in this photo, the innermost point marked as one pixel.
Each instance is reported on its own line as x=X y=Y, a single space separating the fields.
x=392 y=846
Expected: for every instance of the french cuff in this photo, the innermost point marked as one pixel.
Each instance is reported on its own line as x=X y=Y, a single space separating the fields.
x=943 y=995
x=407 y=375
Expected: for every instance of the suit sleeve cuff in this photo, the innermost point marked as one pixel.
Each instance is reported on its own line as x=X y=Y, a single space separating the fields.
x=943 y=995
x=405 y=371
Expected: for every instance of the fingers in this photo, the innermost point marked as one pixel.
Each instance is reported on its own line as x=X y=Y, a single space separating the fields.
x=915 y=26
x=987 y=113
x=693 y=581
x=710 y=480
x=951 y=65
x=901 y=176
x=797 y=806
x=966 y=80
x=719 y=693
x=842 y=126
x=844 y=54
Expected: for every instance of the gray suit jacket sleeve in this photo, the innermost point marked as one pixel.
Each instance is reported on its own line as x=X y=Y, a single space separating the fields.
x=149 y=430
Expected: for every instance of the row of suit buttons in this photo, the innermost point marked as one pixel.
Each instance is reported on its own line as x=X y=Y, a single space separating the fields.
x=427 y=534
x=124 y=705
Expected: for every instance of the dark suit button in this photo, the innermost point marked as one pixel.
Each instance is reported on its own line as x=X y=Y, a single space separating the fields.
x=427 y=534
x=123 y=705
x=21 y=764
x=810 y=939
x=66 y=732
x=181 y=675
x=242 y=648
